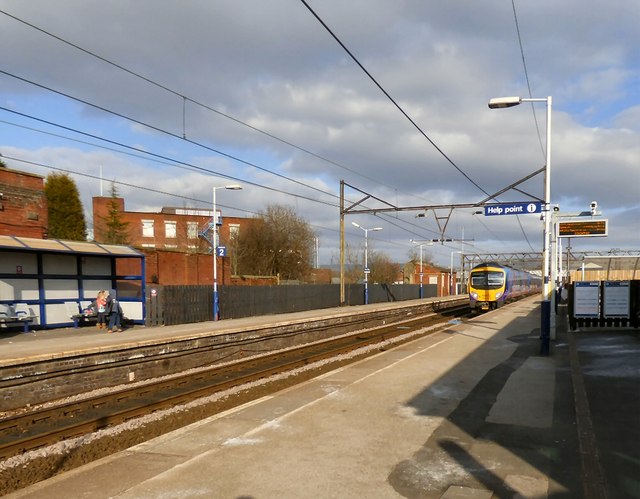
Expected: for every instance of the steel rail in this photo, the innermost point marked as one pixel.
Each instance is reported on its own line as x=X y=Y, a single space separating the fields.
x=42 y=427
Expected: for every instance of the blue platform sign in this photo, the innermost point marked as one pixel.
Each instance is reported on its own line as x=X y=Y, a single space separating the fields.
x=512 y=209
x=221 y=251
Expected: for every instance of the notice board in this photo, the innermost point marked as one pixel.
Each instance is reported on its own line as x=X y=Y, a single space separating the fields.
x=617 y=302
x=586 y=299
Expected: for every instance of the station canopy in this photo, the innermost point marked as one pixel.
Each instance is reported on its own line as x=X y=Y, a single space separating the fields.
x=15 y=243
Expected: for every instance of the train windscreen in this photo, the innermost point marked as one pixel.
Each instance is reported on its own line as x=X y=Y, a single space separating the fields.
x=487 y=280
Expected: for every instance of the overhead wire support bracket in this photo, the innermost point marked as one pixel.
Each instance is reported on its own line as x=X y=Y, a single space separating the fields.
x=387 y=207
x=513 y=186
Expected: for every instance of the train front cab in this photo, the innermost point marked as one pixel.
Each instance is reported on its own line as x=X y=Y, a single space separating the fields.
x=487 y=287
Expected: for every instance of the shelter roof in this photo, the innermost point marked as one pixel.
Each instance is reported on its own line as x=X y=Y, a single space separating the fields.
x=14 y=243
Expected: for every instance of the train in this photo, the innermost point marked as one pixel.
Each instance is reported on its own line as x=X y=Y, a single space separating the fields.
x=491 y=285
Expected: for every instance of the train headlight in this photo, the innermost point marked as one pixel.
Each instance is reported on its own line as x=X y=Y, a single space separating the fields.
x=474 y=296
x=499 y=294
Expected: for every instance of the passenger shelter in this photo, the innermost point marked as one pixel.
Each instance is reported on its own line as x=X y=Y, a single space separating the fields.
x=44 y=281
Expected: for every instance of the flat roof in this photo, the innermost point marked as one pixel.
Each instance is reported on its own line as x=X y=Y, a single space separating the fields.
x=60 y=246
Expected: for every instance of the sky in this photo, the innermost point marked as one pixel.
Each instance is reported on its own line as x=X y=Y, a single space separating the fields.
x=167 y=100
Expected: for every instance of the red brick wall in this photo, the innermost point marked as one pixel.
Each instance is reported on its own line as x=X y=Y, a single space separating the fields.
x=23 y=205
x=170 y=267
x=428 y=274
x=159 y=241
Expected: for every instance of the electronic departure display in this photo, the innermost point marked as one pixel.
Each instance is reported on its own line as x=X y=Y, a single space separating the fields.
x=582 y=228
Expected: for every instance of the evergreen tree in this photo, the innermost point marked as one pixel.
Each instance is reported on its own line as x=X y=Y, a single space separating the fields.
x=66 y=216
x=116 y=229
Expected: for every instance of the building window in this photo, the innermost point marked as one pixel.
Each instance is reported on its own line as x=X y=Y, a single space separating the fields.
x=192 y=230
x=170 y=230
x=147 y=228
x=234 y=231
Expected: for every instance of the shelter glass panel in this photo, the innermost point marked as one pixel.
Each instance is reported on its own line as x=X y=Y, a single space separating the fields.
x=132 y=310
x=61 y=289
x=59 y=264
x=129 y=289
x=96 y=266
x=57 y=313
x=19 y=289
x=90 y=288
x=18 y=263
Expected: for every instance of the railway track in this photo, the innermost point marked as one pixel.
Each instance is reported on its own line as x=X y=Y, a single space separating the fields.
x=46 y=426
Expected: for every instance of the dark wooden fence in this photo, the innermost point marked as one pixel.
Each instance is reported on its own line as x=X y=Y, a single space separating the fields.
x=169 y=305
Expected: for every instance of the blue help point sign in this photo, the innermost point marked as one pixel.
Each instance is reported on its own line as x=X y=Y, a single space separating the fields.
x=512 y=209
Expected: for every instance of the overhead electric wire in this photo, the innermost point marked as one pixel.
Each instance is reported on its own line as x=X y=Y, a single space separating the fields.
x=166 y=132
x=526 y=75
x=148 y=189
x=184 y=97
x=93 y=144
x=117 y=182
x=177 y=162
x=170 y=163
x=167 y=89
x=393 y=101
x=533 y=110
x=171 y=160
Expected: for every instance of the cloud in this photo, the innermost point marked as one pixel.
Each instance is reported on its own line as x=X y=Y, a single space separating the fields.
x=273 y=67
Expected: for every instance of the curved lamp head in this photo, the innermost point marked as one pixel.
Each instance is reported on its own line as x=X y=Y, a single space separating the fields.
x=500 y=102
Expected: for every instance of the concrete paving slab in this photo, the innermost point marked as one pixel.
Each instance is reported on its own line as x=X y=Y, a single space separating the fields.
x=527 y=396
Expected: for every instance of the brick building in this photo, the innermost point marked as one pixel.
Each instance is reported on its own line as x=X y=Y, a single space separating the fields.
x=23 y=205
x=176 y=252
x=442 y=278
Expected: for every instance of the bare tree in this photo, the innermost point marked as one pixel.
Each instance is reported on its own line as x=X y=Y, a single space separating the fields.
x=353 y=263
x=383 y=269
x=277 y=242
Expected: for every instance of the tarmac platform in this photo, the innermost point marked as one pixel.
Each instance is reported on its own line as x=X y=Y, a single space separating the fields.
x=470 y=412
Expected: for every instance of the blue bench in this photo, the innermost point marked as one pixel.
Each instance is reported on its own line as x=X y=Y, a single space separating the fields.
x=20 y=313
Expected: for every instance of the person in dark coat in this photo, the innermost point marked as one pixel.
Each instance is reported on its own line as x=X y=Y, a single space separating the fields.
x=114 y=312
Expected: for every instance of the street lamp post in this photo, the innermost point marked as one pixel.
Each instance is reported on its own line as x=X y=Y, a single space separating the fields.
x=366 y=259
x=547 y=272
x=214 y=244
x=452 y=284
x=421 y=245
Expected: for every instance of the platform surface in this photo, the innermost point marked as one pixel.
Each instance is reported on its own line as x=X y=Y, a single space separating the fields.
x=473 y=411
